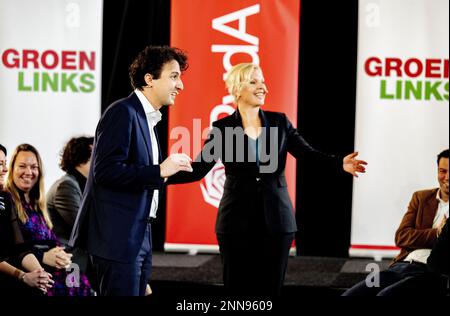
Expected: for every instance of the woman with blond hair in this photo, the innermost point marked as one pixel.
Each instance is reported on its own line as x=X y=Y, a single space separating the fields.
x=13 y=251
x=25 y=184
x=255 y=224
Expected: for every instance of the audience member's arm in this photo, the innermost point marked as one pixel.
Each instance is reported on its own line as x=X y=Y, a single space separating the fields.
x=30 y=262
x=408 y=236
x=36 y=277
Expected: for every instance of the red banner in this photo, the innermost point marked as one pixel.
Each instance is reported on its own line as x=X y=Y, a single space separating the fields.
x=216 y=36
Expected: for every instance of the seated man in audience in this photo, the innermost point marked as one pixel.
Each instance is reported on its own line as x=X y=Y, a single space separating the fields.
x=421 y=225
x=432 y=282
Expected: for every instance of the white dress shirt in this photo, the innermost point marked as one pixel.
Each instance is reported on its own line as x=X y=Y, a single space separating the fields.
x=153 y=117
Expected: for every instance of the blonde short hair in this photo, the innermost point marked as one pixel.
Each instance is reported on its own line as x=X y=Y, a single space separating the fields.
x=237 y=76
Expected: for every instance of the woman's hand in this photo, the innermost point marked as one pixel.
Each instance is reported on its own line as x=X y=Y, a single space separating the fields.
x=352 y=165
x=38 y=279
x=57 y=258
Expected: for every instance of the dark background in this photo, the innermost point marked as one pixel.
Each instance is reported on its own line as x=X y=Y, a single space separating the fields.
x=326 y=105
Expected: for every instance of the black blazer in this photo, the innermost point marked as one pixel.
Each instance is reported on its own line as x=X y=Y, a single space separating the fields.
x=235 y=210
x=116 y=202
x=12 y=246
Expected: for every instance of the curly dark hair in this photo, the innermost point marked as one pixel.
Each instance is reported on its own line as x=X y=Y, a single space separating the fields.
x=151 y=61
x=76 y=152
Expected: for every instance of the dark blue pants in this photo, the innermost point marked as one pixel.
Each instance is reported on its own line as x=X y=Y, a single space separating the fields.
x=402 y=279
x=124 y=279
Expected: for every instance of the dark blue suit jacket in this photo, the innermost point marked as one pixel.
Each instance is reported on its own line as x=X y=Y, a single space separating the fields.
x=116 y=203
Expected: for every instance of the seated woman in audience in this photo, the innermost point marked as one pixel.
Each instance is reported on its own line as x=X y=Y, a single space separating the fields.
x=12 y=249
x=25 y=183
x=64 y=197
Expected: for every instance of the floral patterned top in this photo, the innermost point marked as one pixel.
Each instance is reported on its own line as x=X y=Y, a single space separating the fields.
x=36 y=231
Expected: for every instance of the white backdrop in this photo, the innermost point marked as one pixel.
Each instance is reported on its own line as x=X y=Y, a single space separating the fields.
x=50 y=70
x=402 y=118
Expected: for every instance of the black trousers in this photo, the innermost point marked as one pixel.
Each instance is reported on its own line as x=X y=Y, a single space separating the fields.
x=254 y=265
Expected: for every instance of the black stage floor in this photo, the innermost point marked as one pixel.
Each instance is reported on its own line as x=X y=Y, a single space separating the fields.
x=192 y=285
x=199 y=275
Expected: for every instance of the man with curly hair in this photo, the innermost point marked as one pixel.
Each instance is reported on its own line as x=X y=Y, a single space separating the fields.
x=126 y=175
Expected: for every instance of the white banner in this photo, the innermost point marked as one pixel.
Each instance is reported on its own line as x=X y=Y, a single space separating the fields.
x=402 y=113
x=50 y=70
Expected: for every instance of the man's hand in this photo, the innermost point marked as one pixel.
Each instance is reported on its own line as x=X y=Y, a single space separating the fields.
x=352 y=165
x=441 y=225
x=175 y=163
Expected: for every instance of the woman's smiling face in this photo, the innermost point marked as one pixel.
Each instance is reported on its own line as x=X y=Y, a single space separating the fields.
x=25 y=171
